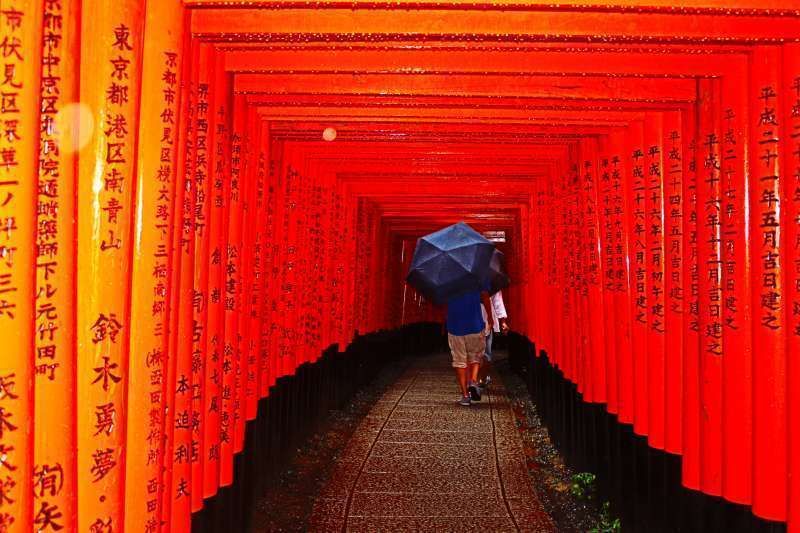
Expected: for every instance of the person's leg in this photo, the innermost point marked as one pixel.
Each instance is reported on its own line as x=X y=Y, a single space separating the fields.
x=459 y=355
x=475 y=346
x=487 y=359
x=461 y=376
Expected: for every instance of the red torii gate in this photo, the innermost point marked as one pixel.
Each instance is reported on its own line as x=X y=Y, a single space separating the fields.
x=163 y=238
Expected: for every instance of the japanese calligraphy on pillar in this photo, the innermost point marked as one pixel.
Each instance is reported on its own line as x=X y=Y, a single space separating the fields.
x=674 y=209
x=767 y=228
x=110 y=76
x=151 y=378
x=20 y=35
x=54 y=470
x=769 y=203
x=639 y=229
x=710 y=235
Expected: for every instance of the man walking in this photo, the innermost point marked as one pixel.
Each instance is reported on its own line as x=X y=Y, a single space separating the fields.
x=467 y=345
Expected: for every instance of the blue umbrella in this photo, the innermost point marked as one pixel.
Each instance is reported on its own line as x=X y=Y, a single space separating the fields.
x=450 y=262
x=498 y=278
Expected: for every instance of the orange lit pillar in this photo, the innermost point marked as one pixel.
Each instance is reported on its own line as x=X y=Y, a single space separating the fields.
x=219 y=351
x=21 y=33
x=235 y=191
x=609 y=246
x=148 y=370
x=791 y=84
x=110 y=87
x=737 y=363
x=709 y=262
x=692 y=164
x=674 y=289
x=767 y=174
x=183 y=451
x=637 y=235
x=653 y=147
x=54 y=475
x=205 y=342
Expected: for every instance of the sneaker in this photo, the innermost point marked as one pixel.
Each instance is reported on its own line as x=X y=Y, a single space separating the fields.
x=474 y=392
x=465 y=401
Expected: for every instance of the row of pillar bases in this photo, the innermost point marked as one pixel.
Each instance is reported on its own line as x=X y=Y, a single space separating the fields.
x=642 y=484
x=295 y=408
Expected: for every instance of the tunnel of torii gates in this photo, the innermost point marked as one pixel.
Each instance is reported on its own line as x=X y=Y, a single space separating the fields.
x=176 y=235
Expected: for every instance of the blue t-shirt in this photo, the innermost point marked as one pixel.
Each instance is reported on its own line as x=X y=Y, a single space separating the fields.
x=464 y=314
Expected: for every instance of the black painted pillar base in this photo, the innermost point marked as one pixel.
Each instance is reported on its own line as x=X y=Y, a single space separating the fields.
x=643 y=484
x=295 y=408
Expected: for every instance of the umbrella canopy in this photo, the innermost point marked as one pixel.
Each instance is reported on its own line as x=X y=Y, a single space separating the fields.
x=450 y=262
x=498 y=278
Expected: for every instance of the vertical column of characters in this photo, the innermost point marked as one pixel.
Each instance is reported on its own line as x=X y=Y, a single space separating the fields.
x=251 y=288
x=709 y=250
x=595 y=275
x=182 y=456
x=623 y=292
x=264 y=243
x=350 y=262
x=218 y=344
x=737 y=362
x=653 y=143
x=608 y=249
x=288 y=336
x=570 y=280
x=277 y=234
x=154 y=183
x=54 y=475
x=791 y=185
x=305 y=286
x=329 y=235
x=337 y=267
x=769 y=311
x=319 y=293
x=235 y=192
x=539 y=270
x=201 y=351
x=556 y=267
x=637 y=234
x=110 y=86
x=691 y=317
x=581 y=326
x=674 y=213
x=20 y=89
x=565 y=275
x=248 y=374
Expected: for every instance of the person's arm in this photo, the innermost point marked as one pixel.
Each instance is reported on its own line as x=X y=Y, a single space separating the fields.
x=499 y=308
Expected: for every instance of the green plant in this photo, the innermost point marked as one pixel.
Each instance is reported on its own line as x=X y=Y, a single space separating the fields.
x=583 y=485
x=607 y=523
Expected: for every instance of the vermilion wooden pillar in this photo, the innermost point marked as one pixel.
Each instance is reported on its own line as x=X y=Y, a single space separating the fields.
x=21 y=31
x=767 y=144
x=675 y=294
x=110 y=87
x=709 y=263
x=737 y=407
x=205 y=135
x=690 y=463
x=637 y=250
x=791 y=188
x=653 y=168
x=54 y=362
x=151 y=371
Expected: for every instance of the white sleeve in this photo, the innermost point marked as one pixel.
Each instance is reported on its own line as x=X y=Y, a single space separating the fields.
x=498 y=306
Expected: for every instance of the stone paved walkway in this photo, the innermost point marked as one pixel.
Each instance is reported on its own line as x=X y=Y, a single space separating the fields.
x=420 y=462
